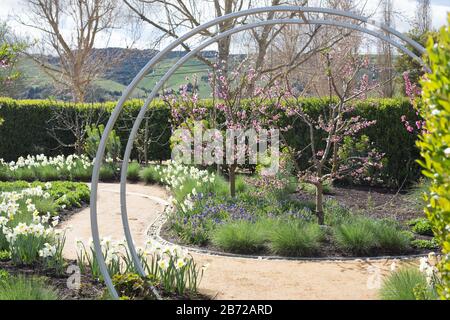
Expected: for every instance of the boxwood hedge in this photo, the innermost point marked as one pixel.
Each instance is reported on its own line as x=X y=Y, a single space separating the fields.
x=25 y=130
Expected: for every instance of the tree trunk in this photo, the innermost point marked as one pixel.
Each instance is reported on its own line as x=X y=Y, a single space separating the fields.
x=232 y=178
x=335 y=160
x=319 y=204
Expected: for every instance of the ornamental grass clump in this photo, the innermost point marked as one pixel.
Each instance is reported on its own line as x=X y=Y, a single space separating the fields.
x=355 y=237
x=150 y=174
x=240 y=237
x=296 y=239
x=401 y=284
x=26 y=288
x=365 y=236
x=133 y=172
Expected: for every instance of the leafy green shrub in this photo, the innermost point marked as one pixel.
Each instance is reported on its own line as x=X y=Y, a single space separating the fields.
x=94 y=135
x=23 y=288
x=5 y=255
x=132 y=286
x=241 y=185
x=133 y=171
x=422 y=226
x=402 y=283
x=296 y=239
x=435 y=146
x=4 y=275
x=424 y=244
x=239 y=237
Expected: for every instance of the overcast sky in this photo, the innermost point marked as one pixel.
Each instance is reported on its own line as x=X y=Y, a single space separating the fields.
x=121 y=38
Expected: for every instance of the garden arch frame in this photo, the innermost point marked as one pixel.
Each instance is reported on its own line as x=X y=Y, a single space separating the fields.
x=302 y=11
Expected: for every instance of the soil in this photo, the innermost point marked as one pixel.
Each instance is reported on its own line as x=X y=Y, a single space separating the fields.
x=374 y=202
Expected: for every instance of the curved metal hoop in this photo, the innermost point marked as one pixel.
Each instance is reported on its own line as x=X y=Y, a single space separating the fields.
x=161 y=55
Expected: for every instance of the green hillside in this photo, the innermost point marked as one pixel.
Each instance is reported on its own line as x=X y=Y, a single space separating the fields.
x=36 y=84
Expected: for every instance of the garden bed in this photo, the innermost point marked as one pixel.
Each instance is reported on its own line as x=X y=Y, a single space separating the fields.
x=264 y=220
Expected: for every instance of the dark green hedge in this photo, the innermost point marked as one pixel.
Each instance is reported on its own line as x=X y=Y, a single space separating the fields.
x=25 y=130
x=26 y=122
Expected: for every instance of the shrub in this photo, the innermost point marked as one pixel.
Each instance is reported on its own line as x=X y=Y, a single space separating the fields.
x=94 y=135
x=133 y=171
x=435 y=146
x=239 y=237
x=132 y=286
x=23 y=288
x=424 y=244
x=241 y=185
x=5 y=255
x=296 y=239
x=422 y=226
x=388 y=134
x=401 y=285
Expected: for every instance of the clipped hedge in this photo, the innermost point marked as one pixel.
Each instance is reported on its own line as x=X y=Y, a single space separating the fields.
x=27 y=123
x=25 y=130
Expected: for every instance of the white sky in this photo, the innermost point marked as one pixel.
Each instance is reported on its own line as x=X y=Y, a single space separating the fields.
x=120 y=38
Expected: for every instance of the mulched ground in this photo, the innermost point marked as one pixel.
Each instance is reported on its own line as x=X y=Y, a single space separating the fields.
x=374 y=202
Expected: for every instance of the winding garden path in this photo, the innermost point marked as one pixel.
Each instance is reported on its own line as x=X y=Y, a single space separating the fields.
x=230 y=277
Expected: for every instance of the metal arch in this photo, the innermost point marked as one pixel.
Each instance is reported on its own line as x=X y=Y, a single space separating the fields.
x=118 y=109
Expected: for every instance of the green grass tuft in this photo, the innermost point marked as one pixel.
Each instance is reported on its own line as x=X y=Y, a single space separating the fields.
x=133 y=171
x=401 y=285
x=296 y=239
x=150 y=175
x=26 y=288
x=239 y=237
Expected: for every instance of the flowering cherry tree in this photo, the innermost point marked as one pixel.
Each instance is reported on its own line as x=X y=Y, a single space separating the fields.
x=336 y=126
x=239 y=106
x=412 y=91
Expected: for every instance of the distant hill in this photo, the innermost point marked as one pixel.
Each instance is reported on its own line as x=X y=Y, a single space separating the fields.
x=35 y=84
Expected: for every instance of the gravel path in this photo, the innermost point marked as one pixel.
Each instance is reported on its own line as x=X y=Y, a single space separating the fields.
x=229 y=277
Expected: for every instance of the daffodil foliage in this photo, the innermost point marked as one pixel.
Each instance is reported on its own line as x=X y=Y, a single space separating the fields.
x=435 y=146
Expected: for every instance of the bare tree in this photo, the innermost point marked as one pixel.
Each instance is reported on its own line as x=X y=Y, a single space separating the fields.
x=74 y=122
x=77 y=66
x=423 y=16
x=174 y=17
x=385 y=55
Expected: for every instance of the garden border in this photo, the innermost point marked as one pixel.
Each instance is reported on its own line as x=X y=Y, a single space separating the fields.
x=109 y=127
x=154 y=232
